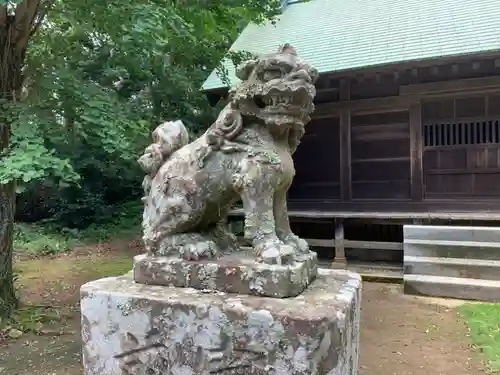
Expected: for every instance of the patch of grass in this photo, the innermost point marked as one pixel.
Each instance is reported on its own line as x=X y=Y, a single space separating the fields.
x=90 y=266
x=483 y=320
x=32 y=318
x=49 y=238
x=97 y=267
x=28 y=319
x=38 y=239
x=57 y=282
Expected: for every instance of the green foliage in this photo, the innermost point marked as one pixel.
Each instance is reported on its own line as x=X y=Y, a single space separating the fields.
x=99 y=76
x=29 y=159
x=484 y=324
x=40 y=240
x=47 y=238
x=125 y=221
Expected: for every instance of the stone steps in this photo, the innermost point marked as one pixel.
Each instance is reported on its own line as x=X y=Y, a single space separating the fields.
x=453 y=267
x=452 y=287
x=454 y=262
x=452 y=249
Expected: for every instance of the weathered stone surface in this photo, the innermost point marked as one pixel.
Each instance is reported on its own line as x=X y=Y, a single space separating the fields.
x=131 y=328
x=246 y=154
x=232 y=273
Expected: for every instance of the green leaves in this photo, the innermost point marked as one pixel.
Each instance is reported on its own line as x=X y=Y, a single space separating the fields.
x=160 y=53
x=99 y=76
x=29 y=159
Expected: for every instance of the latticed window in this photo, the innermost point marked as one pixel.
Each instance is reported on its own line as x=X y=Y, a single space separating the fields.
x=462 y=146
x=454 y=133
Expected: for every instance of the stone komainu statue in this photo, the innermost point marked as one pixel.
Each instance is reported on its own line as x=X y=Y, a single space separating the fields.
x=246 y=154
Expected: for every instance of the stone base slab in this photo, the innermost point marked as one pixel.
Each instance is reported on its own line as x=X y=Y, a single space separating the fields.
x=232 y=273
x=131 y=328
x=452 y=287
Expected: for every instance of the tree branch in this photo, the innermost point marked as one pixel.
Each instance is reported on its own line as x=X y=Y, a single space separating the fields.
x=25 y=15
x=3 y=16
x=41 y=16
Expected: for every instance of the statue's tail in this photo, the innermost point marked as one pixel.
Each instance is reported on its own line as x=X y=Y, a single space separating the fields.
x=170 y=136
x=167 y=138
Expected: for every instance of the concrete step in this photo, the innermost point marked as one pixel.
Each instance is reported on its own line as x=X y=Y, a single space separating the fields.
x=452 y=287
x=452 y=242
x=451 y=249
x=452 y=233
x=453 y=267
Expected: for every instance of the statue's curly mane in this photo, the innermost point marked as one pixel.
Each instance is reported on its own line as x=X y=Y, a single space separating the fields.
x=227 y=127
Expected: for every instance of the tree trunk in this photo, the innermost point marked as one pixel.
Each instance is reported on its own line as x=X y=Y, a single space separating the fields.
x=8 y=298
x=15 y=30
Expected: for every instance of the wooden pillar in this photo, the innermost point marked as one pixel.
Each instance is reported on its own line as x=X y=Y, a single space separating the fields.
x=345 y=142
x=416 y=151
x=340 y=258
x=345 y=155
x=345 y=168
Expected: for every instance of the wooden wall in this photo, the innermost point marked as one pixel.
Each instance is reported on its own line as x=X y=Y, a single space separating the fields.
x=317 y=161
x=461 y=152
x=380 y=156
x=405 y=134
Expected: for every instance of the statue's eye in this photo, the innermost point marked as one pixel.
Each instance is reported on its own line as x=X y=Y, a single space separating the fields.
x=272 y=74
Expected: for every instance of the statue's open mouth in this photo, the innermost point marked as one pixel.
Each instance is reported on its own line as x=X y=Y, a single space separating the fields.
x=296 y=103
x=293 y=97
x=286 y=101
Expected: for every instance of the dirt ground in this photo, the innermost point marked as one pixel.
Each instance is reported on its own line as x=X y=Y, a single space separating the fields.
x=406 y=335
x=400 y=335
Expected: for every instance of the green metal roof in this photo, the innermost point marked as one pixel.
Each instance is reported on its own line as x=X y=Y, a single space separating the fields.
x=337 y=35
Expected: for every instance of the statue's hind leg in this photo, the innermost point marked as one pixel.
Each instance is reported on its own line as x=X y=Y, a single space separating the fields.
x=173 y=230
x=190 y=246
x=198 y=245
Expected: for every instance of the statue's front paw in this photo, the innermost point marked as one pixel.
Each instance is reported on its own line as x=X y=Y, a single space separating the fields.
x=298 y=243
x=273 y=252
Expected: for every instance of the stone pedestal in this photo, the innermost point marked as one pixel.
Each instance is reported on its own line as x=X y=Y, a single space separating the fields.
x=232 y=273
x=131 y=328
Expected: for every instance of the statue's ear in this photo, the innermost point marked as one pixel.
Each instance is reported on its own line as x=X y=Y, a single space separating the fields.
x=245 y=69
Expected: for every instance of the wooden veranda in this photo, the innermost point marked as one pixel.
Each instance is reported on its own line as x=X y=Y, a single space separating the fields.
x=400 y=144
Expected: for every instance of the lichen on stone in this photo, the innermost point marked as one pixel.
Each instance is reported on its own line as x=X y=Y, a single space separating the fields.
x=125 y=308
x=245 y=155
